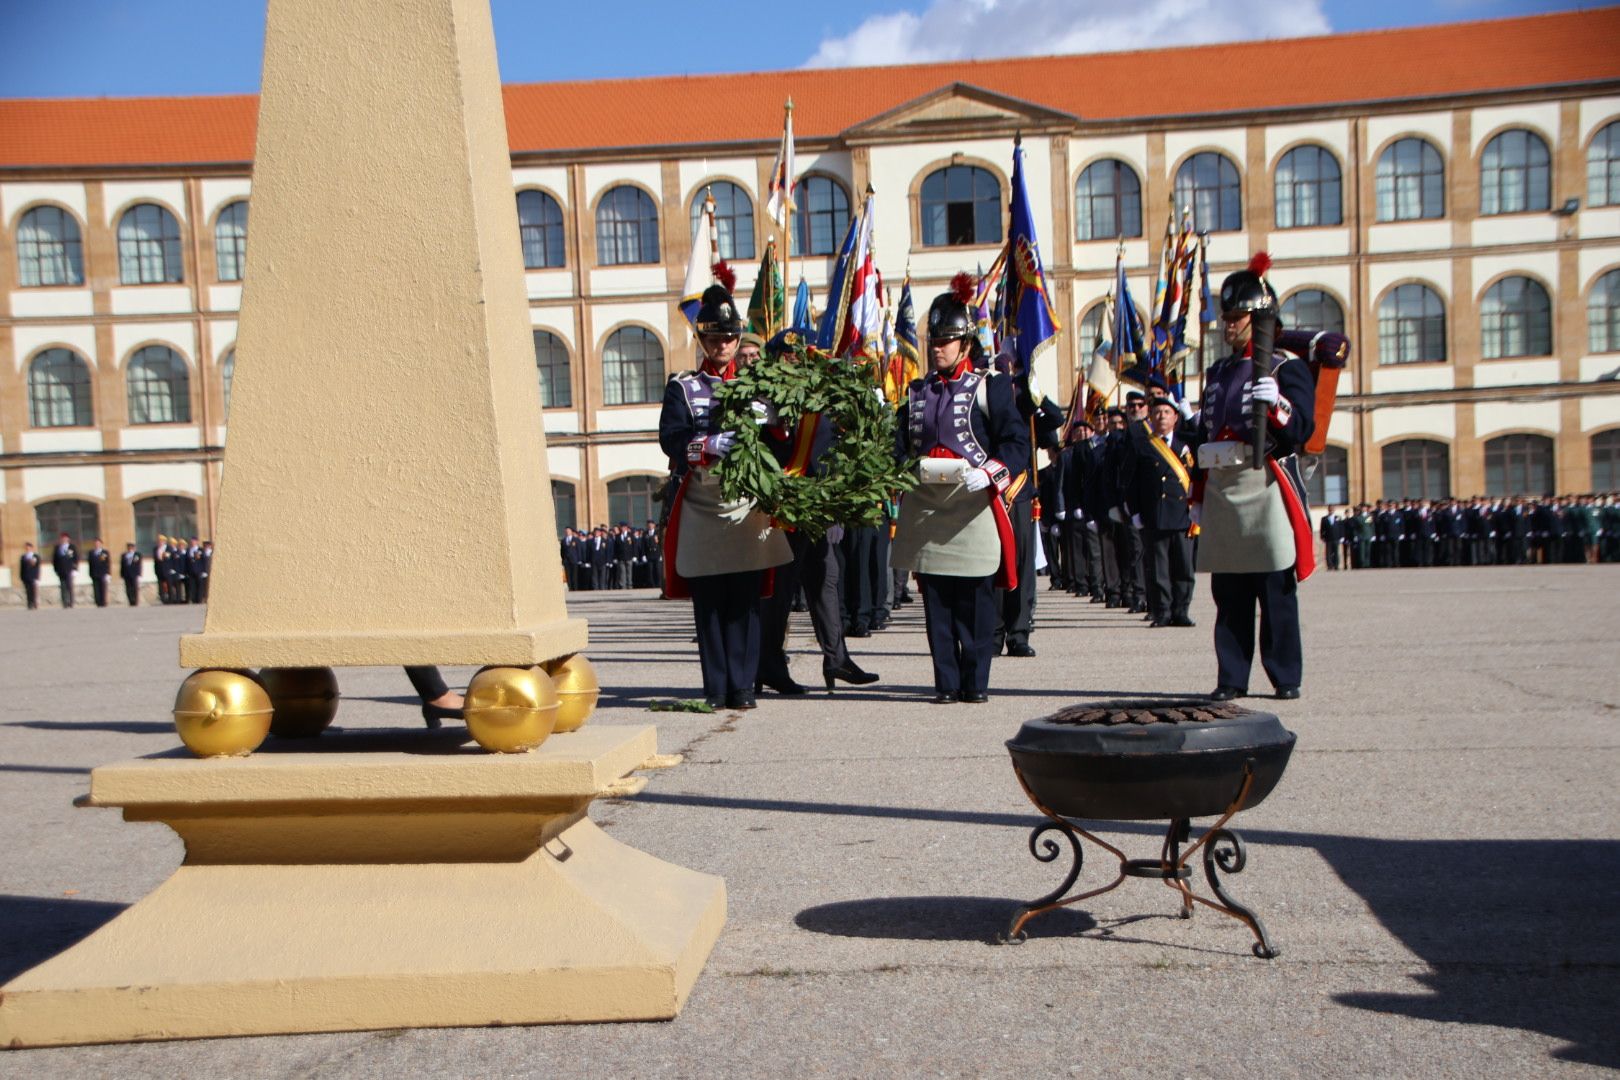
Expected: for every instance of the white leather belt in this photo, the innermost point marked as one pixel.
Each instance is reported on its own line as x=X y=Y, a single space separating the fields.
x=942 y=470
x=1229 y=454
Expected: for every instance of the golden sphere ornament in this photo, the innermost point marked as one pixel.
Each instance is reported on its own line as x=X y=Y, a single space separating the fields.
x=221 y=713
x=511 y=710
x=577 y=690
x=305 y=700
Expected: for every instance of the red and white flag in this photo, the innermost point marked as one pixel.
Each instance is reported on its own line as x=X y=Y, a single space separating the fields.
x=863 y=331
x=780 y=197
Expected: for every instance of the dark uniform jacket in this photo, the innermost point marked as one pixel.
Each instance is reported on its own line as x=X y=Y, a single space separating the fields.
x=129 y=567
x=30 y=568
x=65 y=561
x=100 y=563
x=1152 y=487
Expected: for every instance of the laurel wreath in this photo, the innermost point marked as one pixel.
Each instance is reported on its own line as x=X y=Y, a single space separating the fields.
x=858 y=473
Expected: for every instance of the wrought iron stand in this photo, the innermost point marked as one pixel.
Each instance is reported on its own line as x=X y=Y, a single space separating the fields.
x=1222 y=847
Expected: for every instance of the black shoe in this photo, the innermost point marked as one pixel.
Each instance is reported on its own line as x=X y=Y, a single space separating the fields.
x=968 y=698
x=1098 y=598
x=783 y=685
x=944 y=698
x=881 y=622
x=906 y=598
x=850 y=672
x=857 y=631
x=1020 y=650
x=1157 y=624
x=740 y=699
x=1138 y=609
x=1287 y=693
x=1182 y=620
x=435 y=715
x=1226 y=693
x=716 y=702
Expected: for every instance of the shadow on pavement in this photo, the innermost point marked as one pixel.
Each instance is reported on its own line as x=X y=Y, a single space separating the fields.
x=934 y=918
x=126 y=727
x=35 y=928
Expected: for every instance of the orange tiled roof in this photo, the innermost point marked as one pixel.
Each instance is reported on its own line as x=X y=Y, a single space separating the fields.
x=1383 y=65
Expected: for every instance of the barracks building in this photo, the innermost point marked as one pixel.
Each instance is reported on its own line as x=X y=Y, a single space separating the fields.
x=1449 y=196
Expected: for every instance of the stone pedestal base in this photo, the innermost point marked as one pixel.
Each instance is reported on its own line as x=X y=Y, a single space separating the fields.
x=380 y=890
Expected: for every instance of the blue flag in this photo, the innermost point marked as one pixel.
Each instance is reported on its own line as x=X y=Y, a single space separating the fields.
x=1029 y=313
x=801 y=307
x=837 y=286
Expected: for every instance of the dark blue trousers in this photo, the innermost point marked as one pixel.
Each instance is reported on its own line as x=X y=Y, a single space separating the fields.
x=726 y=609
x=960 y=614
x=1281 y=653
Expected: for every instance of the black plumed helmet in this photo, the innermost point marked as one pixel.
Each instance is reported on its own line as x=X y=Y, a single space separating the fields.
x=949 y=316
x=1248 y=290
x=717 y=313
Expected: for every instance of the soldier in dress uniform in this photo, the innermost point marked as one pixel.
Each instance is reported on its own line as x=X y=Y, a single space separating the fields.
x=1084 y=540
x=1256 y=537
x=716 y=550
x=129 y=569
x=1332 y=531
x=1157 y=481
x=65 y=561
x=953 y=530
x=29 y=572
x=99 y=563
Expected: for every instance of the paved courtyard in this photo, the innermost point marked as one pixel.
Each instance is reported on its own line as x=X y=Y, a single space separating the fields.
x=1440 y=865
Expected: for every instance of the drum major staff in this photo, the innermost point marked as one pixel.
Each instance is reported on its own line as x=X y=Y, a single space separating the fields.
x=963 y=422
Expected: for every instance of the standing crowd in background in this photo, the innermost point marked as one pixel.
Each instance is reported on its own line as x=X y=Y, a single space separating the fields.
x=1481 y=531
x=613 y=558
x=181 y=568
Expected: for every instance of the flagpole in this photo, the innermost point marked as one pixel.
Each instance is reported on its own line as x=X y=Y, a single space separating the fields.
x=787 y=225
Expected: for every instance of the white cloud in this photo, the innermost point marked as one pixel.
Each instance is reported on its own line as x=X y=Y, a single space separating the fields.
x=979 y=29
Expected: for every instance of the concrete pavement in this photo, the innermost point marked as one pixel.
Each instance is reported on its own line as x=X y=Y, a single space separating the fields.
x=1440 y=865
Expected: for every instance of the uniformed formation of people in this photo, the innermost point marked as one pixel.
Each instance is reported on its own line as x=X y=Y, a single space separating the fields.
x=182 y=569
x=1481 y=531
x=613 y=558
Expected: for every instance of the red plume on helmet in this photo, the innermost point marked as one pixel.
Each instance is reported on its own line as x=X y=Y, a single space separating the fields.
x=1260 y=264
x=963 y=286
x=725 y=275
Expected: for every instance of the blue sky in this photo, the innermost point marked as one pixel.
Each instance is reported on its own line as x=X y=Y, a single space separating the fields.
x=90 y=48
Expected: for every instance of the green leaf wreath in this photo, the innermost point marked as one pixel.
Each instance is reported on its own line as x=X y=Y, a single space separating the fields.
x=860 y=470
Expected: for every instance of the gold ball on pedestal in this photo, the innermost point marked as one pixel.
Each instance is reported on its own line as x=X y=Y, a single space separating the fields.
x=577 y=690
x=305 y=700
x=510 y=710
x=221 y=713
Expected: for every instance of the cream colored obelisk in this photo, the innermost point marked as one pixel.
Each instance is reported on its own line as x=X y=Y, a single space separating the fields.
x=386 y=497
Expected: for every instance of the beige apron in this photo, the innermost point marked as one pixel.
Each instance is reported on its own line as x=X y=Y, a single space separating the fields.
x=948 y=530
x=719 y=537
x=1244 y=527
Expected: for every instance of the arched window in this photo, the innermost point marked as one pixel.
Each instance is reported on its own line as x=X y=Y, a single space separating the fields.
x=733 y=218
x=159 y=387
x=148 y=246
x=227 y=372
x=1515 y=173
x=540 y=225
x=164 y=515
x=1411 y=326
x=79 y=518
x=630 y=499
x=1411 y=182
x=1091 y=328
x=1417 y=469
x=626 y=228
x=1308 y=189
x=1208 y=182
x=1515 y=319
x=1329 y=484
x=632 y=367
x=1107 y=201
x=822 y=217
x=551 y=359
x=49 y=250
x=230 y=240
x=961 y=205
x=1603 y=167
x=1603 y=314
x=59 y=390
x=1606 y=461
x=565 y=505
x=1312 y=309
x=1519 y=465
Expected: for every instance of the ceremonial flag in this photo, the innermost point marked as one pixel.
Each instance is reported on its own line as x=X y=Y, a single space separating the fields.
x=780 y=199
x=699 y=274
x=801 y=307
x=768 y=304
x=1102 y=377
x=832 y=319
x=1161 y=288
x=863 y=330
x=905 y=362
x=1128 y=331
x=1029 y=317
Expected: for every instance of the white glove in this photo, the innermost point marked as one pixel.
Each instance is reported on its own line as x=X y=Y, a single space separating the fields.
x=1263 y=389
x=714 y=446
x=1062 y=514
x=1196 y=510
x=1091 y=526
x=976 y=480
x=1136 y=521
x=764 y=412
x=1184 y=407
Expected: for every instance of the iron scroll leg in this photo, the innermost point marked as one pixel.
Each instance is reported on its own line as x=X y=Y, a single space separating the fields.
x=1047 y=851
x=1226 y=850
